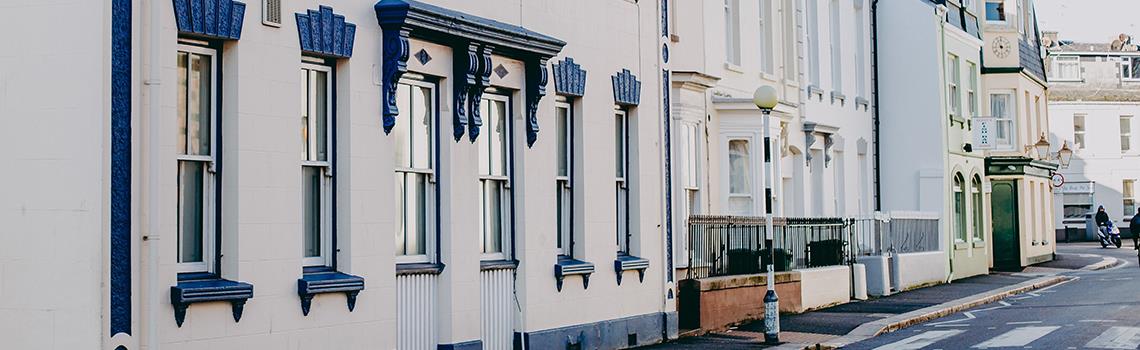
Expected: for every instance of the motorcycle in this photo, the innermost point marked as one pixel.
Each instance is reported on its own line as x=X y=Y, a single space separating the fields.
x=1109 y=235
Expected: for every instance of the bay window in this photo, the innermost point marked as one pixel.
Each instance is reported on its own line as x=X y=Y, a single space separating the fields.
x=197 y=214
x=495 y=177
x=316 y=164
x=415 y=143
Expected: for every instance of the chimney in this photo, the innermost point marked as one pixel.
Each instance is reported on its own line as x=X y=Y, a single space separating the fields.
x=1049 y=38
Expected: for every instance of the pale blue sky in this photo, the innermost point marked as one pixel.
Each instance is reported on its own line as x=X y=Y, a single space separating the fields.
x=1090 y=20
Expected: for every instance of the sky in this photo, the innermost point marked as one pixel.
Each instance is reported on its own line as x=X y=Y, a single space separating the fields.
x=1090 y=20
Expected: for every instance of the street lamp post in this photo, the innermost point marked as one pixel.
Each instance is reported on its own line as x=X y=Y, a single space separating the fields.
x=765 y=98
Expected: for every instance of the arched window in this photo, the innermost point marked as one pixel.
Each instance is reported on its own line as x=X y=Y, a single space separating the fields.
x=978 y=206
x=959 y=208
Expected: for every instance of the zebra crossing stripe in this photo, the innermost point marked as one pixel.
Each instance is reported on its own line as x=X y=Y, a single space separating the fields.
x=1020 y=336
x=920 y=340
x=1116 y=338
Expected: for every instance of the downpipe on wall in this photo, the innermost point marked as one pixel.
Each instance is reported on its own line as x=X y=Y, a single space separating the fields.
x=153 y=84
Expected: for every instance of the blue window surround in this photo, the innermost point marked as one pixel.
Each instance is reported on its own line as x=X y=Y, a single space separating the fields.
x=567 y=266
x=120 y=174
x=214 y=21
x=326 y=279
x=436 y=266
x=473 y=40
x=325 y=34
x=570 y=81
x=627 y=93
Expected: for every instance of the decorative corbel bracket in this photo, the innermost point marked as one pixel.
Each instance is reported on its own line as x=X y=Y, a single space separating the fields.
x=475 y=92
x=627 y=89
x=466 y=69
x=809 y=139
x=328 y=281
x=395 y=58
x=625 y=262
x=536 y=79
x=828 y=141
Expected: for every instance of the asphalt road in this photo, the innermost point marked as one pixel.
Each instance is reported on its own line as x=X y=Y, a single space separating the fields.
x=1096 y=310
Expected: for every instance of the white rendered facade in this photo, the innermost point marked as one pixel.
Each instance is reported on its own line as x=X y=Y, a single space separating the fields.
x=457 y=293
x=926 y=61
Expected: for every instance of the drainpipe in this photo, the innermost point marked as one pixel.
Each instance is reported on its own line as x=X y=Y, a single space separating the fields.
x=875 y=102
x=150 y=239
x=939 y=14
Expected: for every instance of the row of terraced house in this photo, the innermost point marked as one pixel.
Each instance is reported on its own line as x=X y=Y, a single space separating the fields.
x=503 y=174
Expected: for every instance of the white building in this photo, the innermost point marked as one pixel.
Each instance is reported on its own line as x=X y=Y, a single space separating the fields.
x=334 y=175
x=929 y=55
x=1094 y=99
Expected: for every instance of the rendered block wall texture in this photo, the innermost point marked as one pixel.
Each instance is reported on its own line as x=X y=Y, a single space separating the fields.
x=824 y=286
x=916 y=269
x=719 y=306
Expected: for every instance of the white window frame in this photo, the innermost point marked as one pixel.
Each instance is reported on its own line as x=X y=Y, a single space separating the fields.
x=961 y=225
x=1126 y=135
x=789 y=42
x=1126 y=63
x=1059 y=64
x=1006 y=120
x=953 y=85
x=753 y=194
x=1080 y=142
x=505 y=192
x=860 y=50
x=767 y=57
x=209 y=179
x=430 y=204
x=813 y=42
x=972 y=89
x=326 y=174
x=690 y=136
x=564 y=186
x=977 y=206
x=836 y=37
x=732 y=54
x=623 y=233
x=1128 y=198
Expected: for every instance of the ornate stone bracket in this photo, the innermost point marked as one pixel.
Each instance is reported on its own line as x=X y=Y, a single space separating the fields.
x=809 y=139
x=536 y=79
x=325 y=34
x=395 y=65
x=828 y=141
x=200 y=288
x=627 y=89
x=473 y=71
x=327 y=280
x=210 y=19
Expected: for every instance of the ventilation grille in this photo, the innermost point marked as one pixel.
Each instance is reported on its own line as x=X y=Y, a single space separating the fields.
x=271 y=13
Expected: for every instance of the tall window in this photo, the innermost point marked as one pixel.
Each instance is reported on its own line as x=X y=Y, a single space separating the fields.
x=621 y=177
x=414 y=139
x=978 y=206
x=1001 y=106
x=1130 y=68
x=1066 y=68
x=789 y=49
x=1079 y=130
x=813 y=42
x=316 y=164
x=564 y=128
x=971 y=90
x=959 y=208
x=739 y=178
x=995 y=10
x=495 y=177
x=953 y=81
x=860 y=51
x=1125 y=133
x=690 y=134
x=196 y=159
x=732 y=31
x=836 y=48
x=767 y=54
x=1127 y=191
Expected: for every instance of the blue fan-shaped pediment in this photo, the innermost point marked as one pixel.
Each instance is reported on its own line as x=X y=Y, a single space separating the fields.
x=324 y=33
x=211 y=19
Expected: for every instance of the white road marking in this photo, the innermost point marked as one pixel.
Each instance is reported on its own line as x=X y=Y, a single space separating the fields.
x=921 y=340
x=1023 y=322
x=1021 y=336
x=1117 y=338
x=1098 y=321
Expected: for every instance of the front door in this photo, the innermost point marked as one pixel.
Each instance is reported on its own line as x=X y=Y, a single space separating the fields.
x=1006 y=247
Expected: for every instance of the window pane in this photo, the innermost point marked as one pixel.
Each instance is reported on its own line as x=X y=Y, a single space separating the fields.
x=321 y=113
x=499 y=137
x=563 y=213
x=561 y=128
x=421 y=126
x=1125 y=125
x=979 y=215
x=619 y=145
x=190 y=211
x=995 y=11
x=492 y=217
x=401 y=134
x=402 y=214
x=959 y=209
x=415 y=214
x=183 y=66
x=306 y=109
x=199 y=104
x=311 y=218
x=740 y=172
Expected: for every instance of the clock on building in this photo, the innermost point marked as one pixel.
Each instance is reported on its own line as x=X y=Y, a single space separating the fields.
x=1001 y=47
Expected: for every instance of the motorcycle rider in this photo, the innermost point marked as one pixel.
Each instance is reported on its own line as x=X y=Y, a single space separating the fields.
x=1102 y=219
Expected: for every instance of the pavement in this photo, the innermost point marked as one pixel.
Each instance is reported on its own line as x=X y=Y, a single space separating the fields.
x=870 y=323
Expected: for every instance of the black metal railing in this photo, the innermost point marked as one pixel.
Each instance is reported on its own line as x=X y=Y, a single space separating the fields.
x=901 y=232
x=735 y=245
